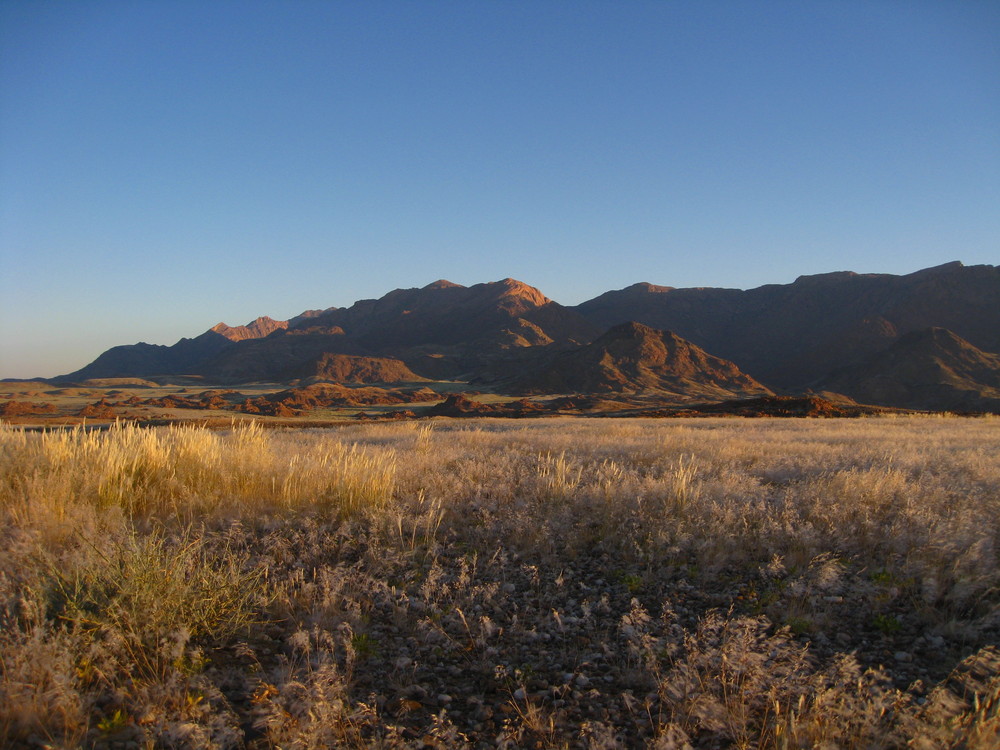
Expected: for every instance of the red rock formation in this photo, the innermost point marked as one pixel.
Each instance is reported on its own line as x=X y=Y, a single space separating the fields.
x=98 y=410
x=458 y=405
x=25 y=408
x=323 y=395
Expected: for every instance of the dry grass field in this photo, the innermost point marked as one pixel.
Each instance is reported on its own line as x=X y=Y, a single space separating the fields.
x=593 y=583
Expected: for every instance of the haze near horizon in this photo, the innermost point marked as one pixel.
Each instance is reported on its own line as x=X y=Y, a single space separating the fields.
x=167 y=166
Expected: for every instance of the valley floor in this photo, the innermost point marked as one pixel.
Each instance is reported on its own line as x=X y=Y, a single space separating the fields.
x=503 y=583
x=98 y=404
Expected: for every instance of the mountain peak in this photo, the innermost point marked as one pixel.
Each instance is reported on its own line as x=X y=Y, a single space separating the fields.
x=514 y=288
x=943 y=269
x=513 y=284
x=443 y=284
x=255 y=329
x=630 y=330
x=822 y=278
x=647 y=288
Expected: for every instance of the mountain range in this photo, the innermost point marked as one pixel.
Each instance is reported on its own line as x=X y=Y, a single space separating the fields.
x=925 y=340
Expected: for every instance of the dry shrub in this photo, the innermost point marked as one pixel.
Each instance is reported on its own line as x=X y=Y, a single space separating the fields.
x=734 y=681
x=39 y=695
x=127 y=620
x=964 y=710
x=142 y=590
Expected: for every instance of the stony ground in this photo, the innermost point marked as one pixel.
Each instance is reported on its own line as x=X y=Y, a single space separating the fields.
x=500 y=648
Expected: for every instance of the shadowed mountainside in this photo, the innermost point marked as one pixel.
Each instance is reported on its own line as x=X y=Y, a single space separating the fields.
x=792 y=335
x=929 y=369
x=142 y=360
x=632 y=357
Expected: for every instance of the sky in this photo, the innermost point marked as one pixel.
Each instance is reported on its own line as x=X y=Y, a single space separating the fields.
x=165 y=166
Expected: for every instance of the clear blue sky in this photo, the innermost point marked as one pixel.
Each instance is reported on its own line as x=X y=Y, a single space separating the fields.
x=167 y=165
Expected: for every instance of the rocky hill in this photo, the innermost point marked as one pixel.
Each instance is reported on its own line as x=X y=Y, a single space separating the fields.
x=506 y=312
x=630 y=358
x=928 y=369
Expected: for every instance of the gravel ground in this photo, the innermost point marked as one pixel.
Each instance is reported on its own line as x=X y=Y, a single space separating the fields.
x=447 y=646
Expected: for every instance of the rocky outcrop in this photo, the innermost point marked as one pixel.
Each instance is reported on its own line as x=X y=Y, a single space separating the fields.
x=295 y=401
x=343 y=368
x=256 y=329
x=459 y=405
x=98 y=410
x=782 y=406
x=14 y=408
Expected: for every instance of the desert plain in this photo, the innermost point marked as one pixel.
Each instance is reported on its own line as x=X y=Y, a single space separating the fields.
x=566 y=581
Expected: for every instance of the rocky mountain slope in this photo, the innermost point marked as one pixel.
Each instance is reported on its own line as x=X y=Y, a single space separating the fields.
x=792 y=335
x=442 y=330
x=263 y=326
x=843 y=332
x=928 y=369
x=632 y=357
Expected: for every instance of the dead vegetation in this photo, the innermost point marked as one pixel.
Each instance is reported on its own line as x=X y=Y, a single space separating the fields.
x=503 y=583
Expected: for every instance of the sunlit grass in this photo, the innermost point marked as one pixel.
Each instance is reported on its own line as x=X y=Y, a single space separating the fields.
x=149 y=571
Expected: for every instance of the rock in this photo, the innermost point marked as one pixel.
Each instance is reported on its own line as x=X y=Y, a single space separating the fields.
x=23 y=408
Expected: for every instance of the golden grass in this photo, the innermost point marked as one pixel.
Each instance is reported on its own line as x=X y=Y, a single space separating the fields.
x=185 y=587
x=184 y=472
